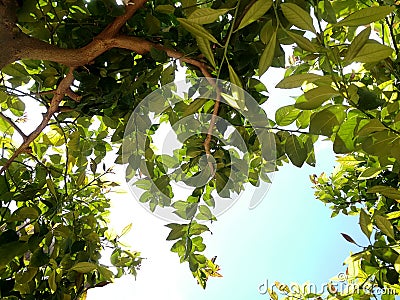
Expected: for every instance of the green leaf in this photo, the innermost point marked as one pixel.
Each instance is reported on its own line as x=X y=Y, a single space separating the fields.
x=177 y=231
x=379 y=143
x=52 y=281
x=297 y=16
x=373 y=51
x=297 y=80
x=234 y=102
x=152 y=24
x=365 y=223
x=206 y=15
x=326 y=121
x=397 y=264
x=169 y=161
x=23 y=213
x=165 y=9
x=357 y=44
x=329 y=13
x=316 y=97
x=197 y=30
x=366 y=16
x=268 y=55
x=15 y=70
x=286 y=115
x=188 y=247
x=386 y=191
x=256 y=11
x=205 y=48
x=84 y=267
x=236 y=88
x=295 y=150
x=384 y=225
x=194 y=106
x=302 y=42
x=370 y=172
x=372 y=126
x=233 y=77
x=344 y=139
x=266 y=32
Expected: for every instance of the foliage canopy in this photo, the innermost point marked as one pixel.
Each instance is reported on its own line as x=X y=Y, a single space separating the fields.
x=89 y=64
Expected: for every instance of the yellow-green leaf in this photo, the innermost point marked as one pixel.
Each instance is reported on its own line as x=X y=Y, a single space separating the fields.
x=206 y=15
x=205 y=48
x=194 y=106
x=197 y=30
x=316 y=97
x=384 y=225
x=52 y=281
x=366 y=15
x=236 y=87
x=302 y=42
x=357 y=44
x=373 y=125
x=51 y=187
x=297 y=80
x=256 y=11
x=370 y=172
x=126 y=229
x=266 y=32
x=232 y=101
x=268 y=55
x=393 y=215
x=373 y=51
x=84 y=267
x=365 y=223
x=386 y=191
x=297 y=16
x=233 y=77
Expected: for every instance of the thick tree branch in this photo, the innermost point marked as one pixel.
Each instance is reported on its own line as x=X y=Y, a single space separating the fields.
x=8 y=120
x=53 y=108
x=25 y=47
x=21 y=46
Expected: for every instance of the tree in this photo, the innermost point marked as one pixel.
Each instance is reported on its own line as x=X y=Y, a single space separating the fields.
x=91 y=65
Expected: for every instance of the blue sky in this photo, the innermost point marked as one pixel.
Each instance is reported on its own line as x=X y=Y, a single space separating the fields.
x=289 y=237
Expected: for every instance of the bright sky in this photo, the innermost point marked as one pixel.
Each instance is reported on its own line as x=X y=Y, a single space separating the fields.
x=289 y=237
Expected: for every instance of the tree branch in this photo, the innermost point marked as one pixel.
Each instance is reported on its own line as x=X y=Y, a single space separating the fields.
x=22 y=46
x=53 y=108
x=8 y=120
x=25 y=47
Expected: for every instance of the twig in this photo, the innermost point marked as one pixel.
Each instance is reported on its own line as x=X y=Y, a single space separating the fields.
x=8 y=120
x=70 y=93
x=207 y=141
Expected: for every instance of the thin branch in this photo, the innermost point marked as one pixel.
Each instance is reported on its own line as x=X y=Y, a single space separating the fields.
x=53 y=108
x=63 y=109
x=42 y=93
x=70 y=93
x=8 y=120
x=207 y=141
